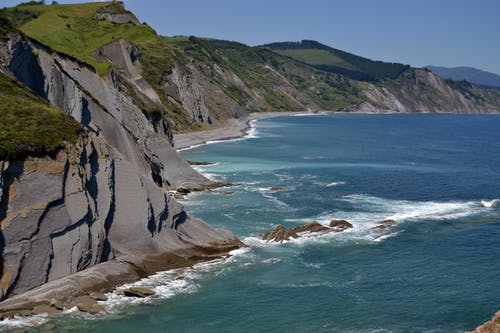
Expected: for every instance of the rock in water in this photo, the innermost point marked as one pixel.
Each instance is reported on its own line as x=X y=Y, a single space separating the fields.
x=340 y=225
x=140 y=292
x=280 y=233
x=385 y=224
x=274 y=189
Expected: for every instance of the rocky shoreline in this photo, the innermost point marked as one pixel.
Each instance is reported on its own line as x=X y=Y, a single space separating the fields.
x=83 y=289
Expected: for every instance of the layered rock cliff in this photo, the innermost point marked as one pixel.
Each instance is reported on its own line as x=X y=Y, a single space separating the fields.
x=103 y=200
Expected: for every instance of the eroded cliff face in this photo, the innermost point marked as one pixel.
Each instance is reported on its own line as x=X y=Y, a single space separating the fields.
x=421 y=91
x=103 y=200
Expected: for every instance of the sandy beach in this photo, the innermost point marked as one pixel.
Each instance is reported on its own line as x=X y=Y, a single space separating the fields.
x=232 y=129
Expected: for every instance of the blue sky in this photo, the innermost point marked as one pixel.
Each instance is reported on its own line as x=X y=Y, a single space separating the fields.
x=424 y=32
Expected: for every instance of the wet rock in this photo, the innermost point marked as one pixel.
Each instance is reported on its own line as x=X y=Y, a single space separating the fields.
x=385 y=224
x=183 y=190
x=310 y=227
x=140 y=292
x=340 y=225
x=228 y=193
x=57 y=304
x=280 y=233
x=92 y=309
x=99 y=296
x=89 y=305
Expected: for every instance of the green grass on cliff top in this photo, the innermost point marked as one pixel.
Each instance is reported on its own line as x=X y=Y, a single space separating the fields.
x=72 y=29
x=29 y=125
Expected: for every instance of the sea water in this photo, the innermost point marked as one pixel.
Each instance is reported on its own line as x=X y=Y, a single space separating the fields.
x=436 y=270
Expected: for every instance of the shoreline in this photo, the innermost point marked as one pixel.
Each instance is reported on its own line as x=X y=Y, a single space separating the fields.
x=234 y=128
x=237 y=128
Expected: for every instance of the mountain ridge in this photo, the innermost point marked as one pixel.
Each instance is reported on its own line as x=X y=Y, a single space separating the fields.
x=470 y=74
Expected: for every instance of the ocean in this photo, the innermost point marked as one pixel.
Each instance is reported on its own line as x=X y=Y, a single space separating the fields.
x=436 y=270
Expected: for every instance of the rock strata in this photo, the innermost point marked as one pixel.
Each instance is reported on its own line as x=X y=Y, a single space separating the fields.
x=98 y=214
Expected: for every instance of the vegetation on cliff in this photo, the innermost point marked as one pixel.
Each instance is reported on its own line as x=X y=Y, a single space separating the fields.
x=29 y=124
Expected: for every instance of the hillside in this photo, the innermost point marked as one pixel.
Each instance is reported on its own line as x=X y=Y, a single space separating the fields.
x=470 y=74
x=336 y=61
x=189 y=83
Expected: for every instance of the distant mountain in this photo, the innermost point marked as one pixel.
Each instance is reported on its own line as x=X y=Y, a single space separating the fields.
x=473 y=75
x=337 y=61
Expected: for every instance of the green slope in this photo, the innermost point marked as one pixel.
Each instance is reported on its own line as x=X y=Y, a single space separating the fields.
x=263 y=70
x=73 y=30
x=29 y=125
x=336 y=61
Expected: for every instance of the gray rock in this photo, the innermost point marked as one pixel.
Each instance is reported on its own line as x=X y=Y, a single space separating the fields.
x=98 y=296
x=140 y=292
x=67 y=222
x=43 y=308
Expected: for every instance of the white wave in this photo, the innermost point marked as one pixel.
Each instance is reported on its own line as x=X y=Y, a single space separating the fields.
x=250 y=133
x=386 y=236
x=168 y=284
x=368 y=210
x=335 y=184
x=202 y=170
x=309 y=285
x=17 y=322
x=495 y=203
x=402 y=210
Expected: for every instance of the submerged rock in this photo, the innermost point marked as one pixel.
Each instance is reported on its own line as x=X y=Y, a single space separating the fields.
x=199 y=163
x=385 y=224
x=278 y=189
x=140 y=292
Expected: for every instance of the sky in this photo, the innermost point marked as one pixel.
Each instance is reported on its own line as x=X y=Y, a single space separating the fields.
x=419 y=32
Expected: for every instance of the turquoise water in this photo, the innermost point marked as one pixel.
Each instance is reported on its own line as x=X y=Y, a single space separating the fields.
x=436 y=271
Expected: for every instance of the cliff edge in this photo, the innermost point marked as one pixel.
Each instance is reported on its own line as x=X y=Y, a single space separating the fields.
x=96 y=212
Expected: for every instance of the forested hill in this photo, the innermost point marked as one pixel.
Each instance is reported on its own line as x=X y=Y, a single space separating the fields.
x=337 y=61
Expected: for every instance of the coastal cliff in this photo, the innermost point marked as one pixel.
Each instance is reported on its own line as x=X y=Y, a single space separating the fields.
x=68 y=215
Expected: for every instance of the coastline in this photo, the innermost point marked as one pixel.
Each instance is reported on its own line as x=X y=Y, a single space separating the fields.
x=232 y=129
x=236 y=128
